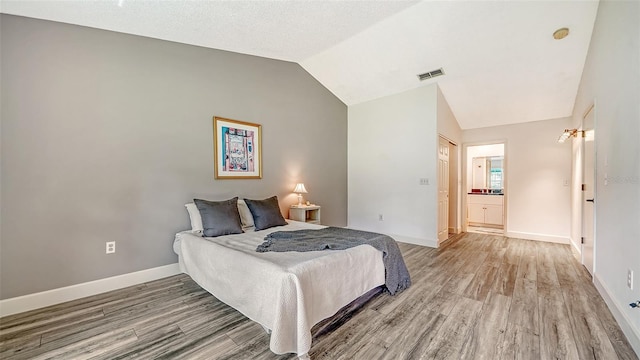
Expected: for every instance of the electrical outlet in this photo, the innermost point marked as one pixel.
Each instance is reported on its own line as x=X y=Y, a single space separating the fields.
x=630 y=279
x=111 y=247
x=424 y=181
x=380 y=217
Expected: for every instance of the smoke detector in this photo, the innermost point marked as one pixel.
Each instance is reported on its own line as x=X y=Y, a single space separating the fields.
x=431 y=74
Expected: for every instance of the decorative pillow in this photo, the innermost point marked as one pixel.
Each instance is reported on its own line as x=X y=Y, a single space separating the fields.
x=245 y=214
x=194 y=216
x=219 y=217
x=266 y=213
x=196 y=220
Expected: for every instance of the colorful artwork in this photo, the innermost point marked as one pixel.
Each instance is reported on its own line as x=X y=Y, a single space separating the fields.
x=237 y=149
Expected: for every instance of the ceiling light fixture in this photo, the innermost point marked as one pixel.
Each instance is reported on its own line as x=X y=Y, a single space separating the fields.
x=561 y=33
x=567 y=134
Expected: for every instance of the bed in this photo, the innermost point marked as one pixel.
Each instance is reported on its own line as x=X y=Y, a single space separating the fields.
x=287 y=293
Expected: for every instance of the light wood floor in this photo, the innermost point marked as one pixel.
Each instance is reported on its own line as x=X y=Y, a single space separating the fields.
x=485 y=230
x=478 y=297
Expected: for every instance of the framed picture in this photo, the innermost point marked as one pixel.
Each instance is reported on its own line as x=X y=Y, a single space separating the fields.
x=237 y=149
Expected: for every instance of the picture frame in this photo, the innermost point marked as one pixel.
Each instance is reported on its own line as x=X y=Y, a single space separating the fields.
x=237 y=149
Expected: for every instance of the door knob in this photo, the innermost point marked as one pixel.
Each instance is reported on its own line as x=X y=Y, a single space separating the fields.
x=591 y=200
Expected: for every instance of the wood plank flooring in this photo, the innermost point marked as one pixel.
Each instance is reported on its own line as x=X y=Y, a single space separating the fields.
x=480 y=296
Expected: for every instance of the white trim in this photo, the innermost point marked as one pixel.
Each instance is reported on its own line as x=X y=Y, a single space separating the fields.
x=631 y=332
x=454 y=230
x=56 y=296
x=577 y=248
x=415 y=241
x=576 y=251
x=408 y=239
x=538 y=237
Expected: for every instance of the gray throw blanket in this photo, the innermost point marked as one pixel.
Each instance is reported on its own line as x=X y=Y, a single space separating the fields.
x=334 y=238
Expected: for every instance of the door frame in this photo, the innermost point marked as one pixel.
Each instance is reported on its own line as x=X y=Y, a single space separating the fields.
x=466 y=181
x=457 y=189
x=590 y=109
x=454 y=178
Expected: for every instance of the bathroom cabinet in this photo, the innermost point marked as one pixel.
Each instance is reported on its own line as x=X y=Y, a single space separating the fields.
x=485 y=209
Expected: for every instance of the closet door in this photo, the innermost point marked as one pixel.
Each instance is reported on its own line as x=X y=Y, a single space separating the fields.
x=443 y=189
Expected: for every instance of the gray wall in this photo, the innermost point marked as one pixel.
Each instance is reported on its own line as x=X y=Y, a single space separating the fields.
x=105 y=136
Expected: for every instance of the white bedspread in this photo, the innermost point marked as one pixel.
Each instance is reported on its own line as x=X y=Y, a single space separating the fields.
x=286 y=292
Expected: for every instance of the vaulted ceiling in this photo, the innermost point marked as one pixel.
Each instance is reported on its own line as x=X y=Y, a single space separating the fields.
x=501 y=62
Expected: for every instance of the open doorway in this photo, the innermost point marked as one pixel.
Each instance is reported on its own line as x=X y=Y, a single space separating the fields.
x=485 y=188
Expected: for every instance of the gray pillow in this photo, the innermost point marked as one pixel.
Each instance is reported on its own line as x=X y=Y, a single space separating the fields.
x=219 y=217
x=266 y=213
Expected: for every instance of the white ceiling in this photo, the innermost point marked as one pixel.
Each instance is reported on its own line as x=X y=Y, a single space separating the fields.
x=501 y=62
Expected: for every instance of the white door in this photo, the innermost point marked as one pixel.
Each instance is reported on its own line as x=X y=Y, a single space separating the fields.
x=588 y=193
x=443 y=190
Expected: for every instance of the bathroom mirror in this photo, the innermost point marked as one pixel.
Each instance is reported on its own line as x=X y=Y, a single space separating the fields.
x=488 y=173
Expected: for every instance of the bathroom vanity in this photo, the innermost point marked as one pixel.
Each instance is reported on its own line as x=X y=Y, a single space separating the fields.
x=485 y=209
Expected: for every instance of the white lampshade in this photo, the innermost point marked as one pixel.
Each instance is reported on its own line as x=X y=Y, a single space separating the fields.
x=300 y=189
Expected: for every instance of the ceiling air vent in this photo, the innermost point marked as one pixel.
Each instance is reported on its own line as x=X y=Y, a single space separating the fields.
x=431 y=74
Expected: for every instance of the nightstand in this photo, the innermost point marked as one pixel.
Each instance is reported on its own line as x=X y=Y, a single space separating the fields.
x=309 y=214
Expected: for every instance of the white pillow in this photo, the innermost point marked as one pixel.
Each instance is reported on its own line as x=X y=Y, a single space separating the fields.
x=194 y=216
x=196 y=220
x=245 y=214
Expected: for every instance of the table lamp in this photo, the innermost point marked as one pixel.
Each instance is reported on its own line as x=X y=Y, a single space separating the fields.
x=300 y=190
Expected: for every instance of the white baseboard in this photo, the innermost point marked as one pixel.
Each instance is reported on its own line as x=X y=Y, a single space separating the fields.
x=415 y=241
x=538 y=237
x=576 y=247
x=576 y=251
x=455 y=230
x=406 y=239
x=56 y=296
x=631 y=332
